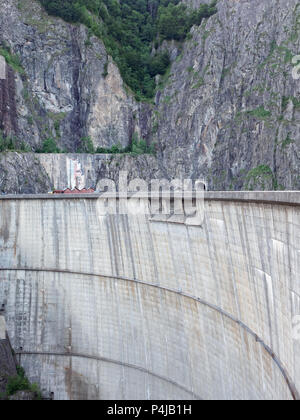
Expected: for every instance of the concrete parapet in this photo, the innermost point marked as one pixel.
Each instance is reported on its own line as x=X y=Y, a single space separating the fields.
x=273 y=197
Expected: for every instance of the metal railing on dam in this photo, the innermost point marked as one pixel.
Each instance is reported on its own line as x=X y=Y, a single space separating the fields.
x=103 y=306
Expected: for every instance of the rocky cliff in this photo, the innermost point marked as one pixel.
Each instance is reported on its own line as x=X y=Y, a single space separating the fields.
x=7 y=362
x=228 y=109
x=61 y=89
x=13 y=383
x=231 y=102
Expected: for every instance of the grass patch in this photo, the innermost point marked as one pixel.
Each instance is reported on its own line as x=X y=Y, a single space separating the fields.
x=12 y=60
x=260 y=177
x=260 y=113
x=199 y=84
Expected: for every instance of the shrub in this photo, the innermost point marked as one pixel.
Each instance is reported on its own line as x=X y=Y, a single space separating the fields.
x=115 y=149
x=86 y=145
x=159 y=64
x=12 y=60
x=260 y=113
x=17 y=383
x=12 y=144
x=175 y=21
x=49 y=146
x=21 y=383
x=260 y=177
x=137 y=147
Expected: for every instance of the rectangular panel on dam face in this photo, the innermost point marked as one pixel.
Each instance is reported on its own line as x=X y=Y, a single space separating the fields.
x=191 y=311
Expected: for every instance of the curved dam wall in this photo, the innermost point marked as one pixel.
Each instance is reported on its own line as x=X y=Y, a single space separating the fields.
x=104 y=306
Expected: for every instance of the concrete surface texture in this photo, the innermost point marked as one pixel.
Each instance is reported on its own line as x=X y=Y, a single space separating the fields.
x=2 y=328
x=104 y=306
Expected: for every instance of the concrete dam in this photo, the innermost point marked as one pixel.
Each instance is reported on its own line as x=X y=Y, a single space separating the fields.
x=102 y=306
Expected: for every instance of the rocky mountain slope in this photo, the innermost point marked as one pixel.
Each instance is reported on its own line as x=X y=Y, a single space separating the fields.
x=227 y=110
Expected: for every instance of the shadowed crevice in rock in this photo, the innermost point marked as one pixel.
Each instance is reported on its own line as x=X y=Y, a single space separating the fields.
x=8 y=114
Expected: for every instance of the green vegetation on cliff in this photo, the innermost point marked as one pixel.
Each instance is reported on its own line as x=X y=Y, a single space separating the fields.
x=18 y=383
x=261 y=177
x=12 y=144
x=130 y=29
x=12 y=60
x=136 y=147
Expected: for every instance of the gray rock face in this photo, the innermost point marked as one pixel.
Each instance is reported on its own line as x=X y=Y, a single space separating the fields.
x=22 y=173
x=228 y=112
x=23 y=396
x=7 y=365
x=231 y=103
x=8 y=117
x=64 y=93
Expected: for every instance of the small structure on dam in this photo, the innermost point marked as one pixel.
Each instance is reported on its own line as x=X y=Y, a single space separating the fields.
x=138 y=307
